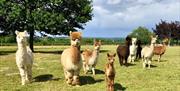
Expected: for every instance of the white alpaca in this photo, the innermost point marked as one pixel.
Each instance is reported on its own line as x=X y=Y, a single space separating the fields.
x=24 y=57
x=90 y=58
x=71 y=59
x=133 y=50
x=147 y=52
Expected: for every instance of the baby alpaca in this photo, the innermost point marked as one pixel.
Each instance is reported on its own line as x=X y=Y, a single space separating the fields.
x=147 y=52
x=71 y=59
x=90 y=58
x=133 y=50
x=24 y=57
x=110 y=72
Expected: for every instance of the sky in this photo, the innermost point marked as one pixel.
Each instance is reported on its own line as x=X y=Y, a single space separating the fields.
x=118 y=18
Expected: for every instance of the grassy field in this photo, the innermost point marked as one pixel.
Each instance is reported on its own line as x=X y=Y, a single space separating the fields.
x=48 y=73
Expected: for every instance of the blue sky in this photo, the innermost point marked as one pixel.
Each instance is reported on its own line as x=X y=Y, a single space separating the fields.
x=117 y=18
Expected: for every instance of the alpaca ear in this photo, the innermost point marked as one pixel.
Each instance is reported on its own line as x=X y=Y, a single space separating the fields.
x=70 y=32
x=99 y=41
x=108 y=54
x=25 y=33
x=114 y=54
x=16 y=32
x=156 y=36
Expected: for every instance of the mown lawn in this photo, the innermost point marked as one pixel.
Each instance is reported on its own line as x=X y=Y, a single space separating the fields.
x=48 y=73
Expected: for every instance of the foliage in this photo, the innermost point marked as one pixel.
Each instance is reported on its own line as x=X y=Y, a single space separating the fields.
x=169 y=30
x=54 y=17
x=142 y=34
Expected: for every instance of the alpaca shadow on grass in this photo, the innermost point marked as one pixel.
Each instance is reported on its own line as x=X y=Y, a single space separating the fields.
x=119 y=87
x=160 y=60
x=51 y=52
x=152 y=66
x=99 y=71
x=88 y=80
x=6 y=52
x=44 y=78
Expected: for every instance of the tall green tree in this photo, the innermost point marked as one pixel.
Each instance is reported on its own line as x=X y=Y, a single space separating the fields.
x=55 y=17
x=142 y=34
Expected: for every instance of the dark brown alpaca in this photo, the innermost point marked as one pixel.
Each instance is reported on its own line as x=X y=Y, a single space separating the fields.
x=139 y=48
x=123 y=51
x=110 y=72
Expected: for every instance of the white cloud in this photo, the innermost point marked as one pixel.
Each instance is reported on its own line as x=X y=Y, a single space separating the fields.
x=113 y=1
x=137 y=13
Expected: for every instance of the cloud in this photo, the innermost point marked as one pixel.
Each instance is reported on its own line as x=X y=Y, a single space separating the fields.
x=113 y=1
x=122 y=16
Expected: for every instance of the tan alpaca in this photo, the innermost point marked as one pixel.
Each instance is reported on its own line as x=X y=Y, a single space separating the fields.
x=71 y=59
x=90 y=57
x=110 y=72
x=160 y=49
x=147 y=52
x=24 y=57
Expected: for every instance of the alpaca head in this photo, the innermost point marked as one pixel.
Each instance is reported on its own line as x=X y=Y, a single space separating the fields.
x=21 y=37
x=111 y=57
x=97 y=44
x=75 y=38
x=128 y=40
x=134 y=40
x=153 y=39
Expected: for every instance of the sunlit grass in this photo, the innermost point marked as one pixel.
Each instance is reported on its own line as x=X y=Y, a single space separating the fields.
x=163 y=76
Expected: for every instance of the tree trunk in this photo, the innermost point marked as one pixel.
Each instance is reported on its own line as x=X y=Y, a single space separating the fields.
x=31 y=40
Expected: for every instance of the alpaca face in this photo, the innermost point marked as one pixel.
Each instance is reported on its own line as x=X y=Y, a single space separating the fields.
x=97 y=44
x=111 y=57
x=21 y=37
x=153 y=40
x=134 y=40
x=75 y=38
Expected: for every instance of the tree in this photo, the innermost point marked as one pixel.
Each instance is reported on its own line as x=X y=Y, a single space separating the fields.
x=142 y=34
x=169 y=30
x=54 y=17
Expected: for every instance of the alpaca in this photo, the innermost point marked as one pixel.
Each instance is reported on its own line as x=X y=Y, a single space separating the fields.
x=71 y=59
x=24 y=57
x=160 y=49
x=147 y=52
x=139 y=48
x=110 y=72
x=123 y=51
x=133 y=50
x=90 y=58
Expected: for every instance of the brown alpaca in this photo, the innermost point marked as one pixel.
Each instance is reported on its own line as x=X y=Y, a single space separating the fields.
x=90 y=57
x=123 y=51
x=160 y=50
x=110 y=72
x=71 y=59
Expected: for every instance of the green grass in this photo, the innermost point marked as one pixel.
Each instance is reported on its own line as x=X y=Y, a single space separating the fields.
x=163 y=76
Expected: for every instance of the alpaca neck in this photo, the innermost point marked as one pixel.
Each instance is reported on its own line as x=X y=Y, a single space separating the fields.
x=22 y=47
x=95 y=52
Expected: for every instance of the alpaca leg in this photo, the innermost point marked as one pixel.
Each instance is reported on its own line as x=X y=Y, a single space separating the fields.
x=133 y=58
x=144 y=62
x=23 y=75
x=76 y=80
x=129 y=59
x=159 y=58
x=93 y=71
x=29 y=74
x=69 y=76
x=126 y=61
x=84 y=68
x=149 y=63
